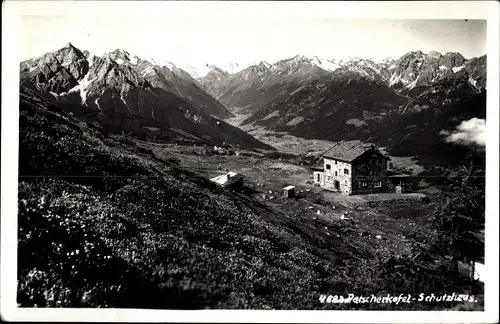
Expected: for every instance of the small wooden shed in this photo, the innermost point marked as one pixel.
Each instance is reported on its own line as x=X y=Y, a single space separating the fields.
x=289 y=192
x=398 y=182
x=230 y=180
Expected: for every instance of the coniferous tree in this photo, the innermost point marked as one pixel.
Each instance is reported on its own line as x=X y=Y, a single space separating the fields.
x=459 y=219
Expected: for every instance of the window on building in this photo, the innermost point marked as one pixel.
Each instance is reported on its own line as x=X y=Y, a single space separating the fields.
x=346 y=183
x=336 y=173
x=335 y=161
x=363 y=184
x=328 y=167
x=346 y=171
x=318 y=177
x=377 y=184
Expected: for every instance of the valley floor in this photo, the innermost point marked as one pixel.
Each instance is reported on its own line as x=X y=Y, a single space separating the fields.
x=287 y=143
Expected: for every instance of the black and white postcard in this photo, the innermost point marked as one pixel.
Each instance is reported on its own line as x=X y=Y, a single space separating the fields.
x=174 y=161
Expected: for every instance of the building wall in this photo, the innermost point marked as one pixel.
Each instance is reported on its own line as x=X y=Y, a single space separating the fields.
x=336 y=173
x=367 y=172
x=321 y=181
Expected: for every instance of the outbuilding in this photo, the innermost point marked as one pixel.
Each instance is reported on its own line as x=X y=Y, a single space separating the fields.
x=289 y=192
x=230 y=180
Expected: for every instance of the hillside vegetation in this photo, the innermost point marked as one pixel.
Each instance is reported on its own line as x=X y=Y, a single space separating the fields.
x=103 y=224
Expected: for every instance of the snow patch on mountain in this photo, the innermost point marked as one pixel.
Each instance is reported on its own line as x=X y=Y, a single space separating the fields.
x=82 y=86
x=325 y=64
x=124 y=102
x=297 y=120
x=146 y=70
x=297 y=90
x=473 y=82
x=91 y=59
x=413 y=84
x=457 y=68
x=394 y=79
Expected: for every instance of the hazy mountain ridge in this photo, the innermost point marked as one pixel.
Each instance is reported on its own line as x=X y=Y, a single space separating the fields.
x=360 y=100
x=258 y=85
x=253 y=87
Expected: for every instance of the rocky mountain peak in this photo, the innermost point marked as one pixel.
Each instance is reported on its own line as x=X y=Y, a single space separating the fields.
x=435 y=54
x=452 y=59
x=121 y=56
x=111 y=81
x=264 y=65
x=300 y=57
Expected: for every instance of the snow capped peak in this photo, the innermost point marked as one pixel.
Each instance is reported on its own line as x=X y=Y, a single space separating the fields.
x=299 y=58
x=158 y=62
x=232 y=67
x=383 y=60
x=170 y=65
x=121 y=57
x=119 y=50
x=69 y=46
x=324 y=64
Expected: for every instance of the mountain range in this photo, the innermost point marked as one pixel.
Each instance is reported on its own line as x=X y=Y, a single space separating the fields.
x=405 y=104
x=408 y=74
x=395 y=102
x=127 y=94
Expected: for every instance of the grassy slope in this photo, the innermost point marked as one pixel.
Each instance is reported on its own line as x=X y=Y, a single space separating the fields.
x=102 y=225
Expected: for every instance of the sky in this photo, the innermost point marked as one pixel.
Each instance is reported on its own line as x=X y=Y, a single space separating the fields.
x=179 y=36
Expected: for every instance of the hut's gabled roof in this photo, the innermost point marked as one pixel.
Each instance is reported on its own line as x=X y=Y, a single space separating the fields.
x=228 y=179
x=349 y=152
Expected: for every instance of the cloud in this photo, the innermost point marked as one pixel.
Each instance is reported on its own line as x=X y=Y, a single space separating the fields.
x=469 y=132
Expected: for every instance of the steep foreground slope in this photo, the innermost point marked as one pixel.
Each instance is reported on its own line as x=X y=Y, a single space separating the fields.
x=102 y=224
